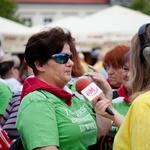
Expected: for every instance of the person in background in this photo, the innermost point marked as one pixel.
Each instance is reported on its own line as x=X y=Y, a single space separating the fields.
x=9 y=117
x=9 y=71
x=56 y=112
x=112 y=62
x=99 y=65
x=124 y=90
x=121 y=103
x=5 y=97
x=5 y=92
x=17 y=64
x=81 y=57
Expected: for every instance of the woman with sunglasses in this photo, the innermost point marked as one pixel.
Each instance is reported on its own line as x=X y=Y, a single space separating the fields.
x=50 y=116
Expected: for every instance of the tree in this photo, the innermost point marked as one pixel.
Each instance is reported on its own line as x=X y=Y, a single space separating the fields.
x=141 y=5
x=8 y=10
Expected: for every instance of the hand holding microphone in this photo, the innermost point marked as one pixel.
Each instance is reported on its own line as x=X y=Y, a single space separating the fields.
x=90 y=91
x=100 y=81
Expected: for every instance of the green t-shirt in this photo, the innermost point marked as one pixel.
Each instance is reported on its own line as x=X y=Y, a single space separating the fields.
x=44 y=119
x=122 y=107
x=5 y=97
x=72 y=83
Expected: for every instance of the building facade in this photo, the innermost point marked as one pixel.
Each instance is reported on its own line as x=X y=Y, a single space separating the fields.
x=41 y=12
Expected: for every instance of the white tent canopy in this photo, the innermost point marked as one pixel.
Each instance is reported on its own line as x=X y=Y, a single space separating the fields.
x=13 y=35
x=114 y=24
x=11 y=27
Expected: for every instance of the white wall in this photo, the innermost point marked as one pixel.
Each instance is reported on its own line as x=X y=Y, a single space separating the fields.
x=38 y=12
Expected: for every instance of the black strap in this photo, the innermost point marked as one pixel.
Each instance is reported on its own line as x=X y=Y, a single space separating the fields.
x=115 y=94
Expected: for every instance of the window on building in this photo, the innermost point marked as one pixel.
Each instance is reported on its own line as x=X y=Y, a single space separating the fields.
x=47 y=20
x=27 y=21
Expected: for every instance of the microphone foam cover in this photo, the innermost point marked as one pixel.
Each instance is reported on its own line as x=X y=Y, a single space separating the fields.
x=81 y=84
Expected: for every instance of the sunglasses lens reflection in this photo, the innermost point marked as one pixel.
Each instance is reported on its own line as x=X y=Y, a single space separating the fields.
x=62 y=58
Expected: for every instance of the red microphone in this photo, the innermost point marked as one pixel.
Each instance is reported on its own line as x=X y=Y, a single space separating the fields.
x=81 y=84
x=89 y=90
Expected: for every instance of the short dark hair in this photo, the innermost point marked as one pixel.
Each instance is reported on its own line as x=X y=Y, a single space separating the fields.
x=5 y=67
x=41 y=46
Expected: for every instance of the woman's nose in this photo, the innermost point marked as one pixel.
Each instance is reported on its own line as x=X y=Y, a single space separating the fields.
x=110 y=70
x=70 y=62
x=128 y=74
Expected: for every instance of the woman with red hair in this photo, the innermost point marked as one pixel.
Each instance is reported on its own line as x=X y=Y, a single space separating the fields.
x=112 y=62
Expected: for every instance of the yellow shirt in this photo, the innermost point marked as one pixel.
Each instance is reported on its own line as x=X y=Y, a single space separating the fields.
x=134 y=133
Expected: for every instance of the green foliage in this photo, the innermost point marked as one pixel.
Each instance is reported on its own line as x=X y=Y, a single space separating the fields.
x=141 y=5
x=8 y=10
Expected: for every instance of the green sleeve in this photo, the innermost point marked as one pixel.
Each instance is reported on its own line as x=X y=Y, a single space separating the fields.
x=5 y=96
x=41 y=113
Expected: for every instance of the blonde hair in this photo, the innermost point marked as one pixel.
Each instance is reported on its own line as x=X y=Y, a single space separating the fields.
x=140 y=71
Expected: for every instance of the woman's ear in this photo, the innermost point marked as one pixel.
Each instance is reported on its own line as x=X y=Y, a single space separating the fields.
x=39 y=67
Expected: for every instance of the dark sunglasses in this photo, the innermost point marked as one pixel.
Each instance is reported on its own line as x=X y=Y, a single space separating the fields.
x=62 y=58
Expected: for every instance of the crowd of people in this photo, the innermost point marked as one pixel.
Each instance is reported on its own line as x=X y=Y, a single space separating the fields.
x=47 y=113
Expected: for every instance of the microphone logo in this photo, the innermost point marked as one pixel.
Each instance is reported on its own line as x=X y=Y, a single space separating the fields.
x=91 y=91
